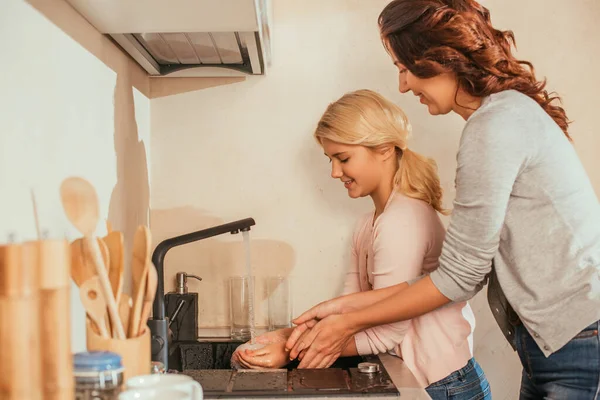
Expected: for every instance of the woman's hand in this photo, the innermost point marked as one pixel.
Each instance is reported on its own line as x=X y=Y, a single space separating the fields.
x=322 y=310
x=271 y=356
x=324 y=343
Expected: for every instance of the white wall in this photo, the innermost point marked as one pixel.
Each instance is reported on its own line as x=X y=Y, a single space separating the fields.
x=57 y=119
x=246 y=149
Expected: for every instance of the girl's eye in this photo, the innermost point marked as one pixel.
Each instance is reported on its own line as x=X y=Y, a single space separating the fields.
x=403 y=70
x=345 y=160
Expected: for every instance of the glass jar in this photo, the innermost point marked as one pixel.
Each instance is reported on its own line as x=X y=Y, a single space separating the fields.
x=156 y=367
x=98 y=375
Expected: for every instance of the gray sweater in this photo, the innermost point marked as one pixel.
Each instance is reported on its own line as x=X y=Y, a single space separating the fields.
x=524 y=201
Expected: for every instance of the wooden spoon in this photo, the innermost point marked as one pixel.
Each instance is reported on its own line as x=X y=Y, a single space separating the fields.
x=94 y=303
x=139 y=270
x=151 y=285
x=82 y=266
x=80 y=203
x=114 y=244
x=125 y=310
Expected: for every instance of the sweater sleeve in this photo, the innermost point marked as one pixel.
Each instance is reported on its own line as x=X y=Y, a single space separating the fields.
x=401 y=240
x=352 y=281
x=493 y=151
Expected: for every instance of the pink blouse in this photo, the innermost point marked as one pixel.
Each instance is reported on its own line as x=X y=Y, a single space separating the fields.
x=402 y=244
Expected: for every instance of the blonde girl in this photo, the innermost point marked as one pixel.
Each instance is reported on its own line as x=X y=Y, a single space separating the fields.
x=364 y=136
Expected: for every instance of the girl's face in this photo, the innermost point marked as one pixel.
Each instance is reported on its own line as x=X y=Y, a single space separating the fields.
x=360 y=169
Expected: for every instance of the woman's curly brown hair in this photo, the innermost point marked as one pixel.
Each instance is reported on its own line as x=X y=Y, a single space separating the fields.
x=431 y=37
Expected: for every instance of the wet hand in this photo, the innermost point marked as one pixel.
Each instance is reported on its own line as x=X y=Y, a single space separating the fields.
x=278 y=336
x=270 y=356
x=323 y=343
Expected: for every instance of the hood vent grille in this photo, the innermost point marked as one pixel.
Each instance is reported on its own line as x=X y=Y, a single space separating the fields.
x=169 y=52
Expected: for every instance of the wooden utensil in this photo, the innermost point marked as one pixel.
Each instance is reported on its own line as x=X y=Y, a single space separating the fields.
x=139 y=270
x=125 y=310
x=151 y=284
x=114 y=243
x=94 y=304
x=80 y=203
x=82 y=265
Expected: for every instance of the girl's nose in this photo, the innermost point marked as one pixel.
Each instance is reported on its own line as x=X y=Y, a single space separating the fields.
x=336 y=171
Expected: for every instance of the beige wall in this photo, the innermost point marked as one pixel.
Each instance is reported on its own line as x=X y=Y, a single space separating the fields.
x=245 y=149
x=66 y=111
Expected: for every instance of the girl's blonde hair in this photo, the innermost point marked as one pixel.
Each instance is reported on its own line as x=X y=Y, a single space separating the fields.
x=366 y=118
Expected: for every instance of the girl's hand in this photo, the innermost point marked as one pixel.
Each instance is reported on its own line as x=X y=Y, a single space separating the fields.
x=278 y=336
x=309 y=318
x=270 y=356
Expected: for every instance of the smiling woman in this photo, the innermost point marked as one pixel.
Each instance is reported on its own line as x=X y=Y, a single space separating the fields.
x=526 y=220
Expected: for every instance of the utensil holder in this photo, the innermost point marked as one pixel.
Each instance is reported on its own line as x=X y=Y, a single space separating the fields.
x=20 y=369
x=54 y=262
x=135 y=352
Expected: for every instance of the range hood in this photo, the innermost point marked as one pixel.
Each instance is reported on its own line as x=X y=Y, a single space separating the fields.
x=185 y=38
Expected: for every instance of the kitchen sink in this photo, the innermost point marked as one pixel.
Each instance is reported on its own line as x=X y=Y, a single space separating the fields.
x=208 y=362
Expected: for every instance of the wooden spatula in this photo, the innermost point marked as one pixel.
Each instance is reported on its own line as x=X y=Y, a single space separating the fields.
x=139 y=271
x=151 y=284
x=94 y=303
x=114 y=243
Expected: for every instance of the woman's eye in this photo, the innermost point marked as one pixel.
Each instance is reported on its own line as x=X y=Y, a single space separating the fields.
x=343 y=161
x=403 y=70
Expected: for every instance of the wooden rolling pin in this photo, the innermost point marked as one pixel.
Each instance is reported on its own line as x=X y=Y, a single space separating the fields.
x=20 y=369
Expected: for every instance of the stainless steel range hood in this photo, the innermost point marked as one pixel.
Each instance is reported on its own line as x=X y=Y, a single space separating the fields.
x=187 y=37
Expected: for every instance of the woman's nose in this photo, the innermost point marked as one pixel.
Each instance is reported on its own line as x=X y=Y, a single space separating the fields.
x=402 y=84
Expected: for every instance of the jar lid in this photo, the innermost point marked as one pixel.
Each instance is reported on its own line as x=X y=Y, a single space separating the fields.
x=97 y=361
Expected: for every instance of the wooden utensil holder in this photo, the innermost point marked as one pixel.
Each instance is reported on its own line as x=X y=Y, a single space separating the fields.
x=54 y=261
x=135 y=352
x=20 y=369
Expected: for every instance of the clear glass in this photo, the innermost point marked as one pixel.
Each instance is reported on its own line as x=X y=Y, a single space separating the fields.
x=280 y=302
x=240 y=307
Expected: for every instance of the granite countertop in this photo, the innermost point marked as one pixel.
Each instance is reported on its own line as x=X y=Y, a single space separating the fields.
x=402 y=377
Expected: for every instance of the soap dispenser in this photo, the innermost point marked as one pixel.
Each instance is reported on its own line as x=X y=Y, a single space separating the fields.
x=182 y=309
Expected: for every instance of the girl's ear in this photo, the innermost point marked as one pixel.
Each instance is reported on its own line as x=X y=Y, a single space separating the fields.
x=388 y=151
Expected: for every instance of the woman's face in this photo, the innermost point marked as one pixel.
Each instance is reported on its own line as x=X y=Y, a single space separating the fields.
x=359 y=168
x=437 y=93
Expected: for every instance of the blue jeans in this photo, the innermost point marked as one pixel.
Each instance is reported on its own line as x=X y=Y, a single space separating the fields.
x=468 y=383
x=572 y=373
